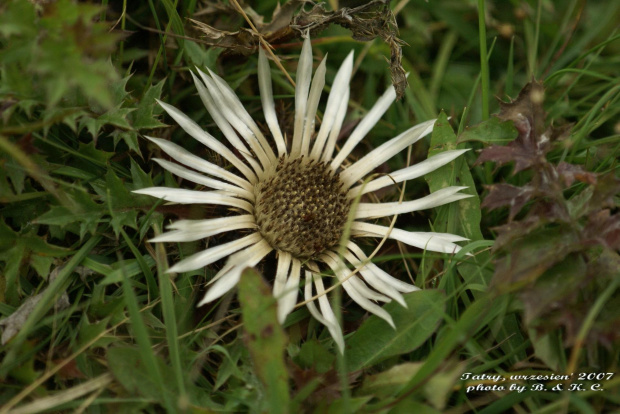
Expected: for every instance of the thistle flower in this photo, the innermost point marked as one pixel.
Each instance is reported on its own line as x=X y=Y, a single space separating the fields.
x=295 y=199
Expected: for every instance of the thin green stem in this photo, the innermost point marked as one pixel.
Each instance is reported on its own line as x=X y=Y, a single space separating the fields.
x=484 y=64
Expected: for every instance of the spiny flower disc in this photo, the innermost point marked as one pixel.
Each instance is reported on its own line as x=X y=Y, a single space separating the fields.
x=301 y=208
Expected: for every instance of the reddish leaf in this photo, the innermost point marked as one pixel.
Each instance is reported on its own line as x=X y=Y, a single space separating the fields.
x=570 y=172
x=603 y=229
x=531 y=144
x=607 y=186
x=70 y=370
x=508 y=195
x=516 y=229
x=531 y=256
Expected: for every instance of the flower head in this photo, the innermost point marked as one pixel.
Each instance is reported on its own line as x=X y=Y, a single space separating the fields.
x=296 y=199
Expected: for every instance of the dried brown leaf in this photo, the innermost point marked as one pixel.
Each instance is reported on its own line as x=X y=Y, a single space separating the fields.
x=242 y=41
x=532 y=143
x=571 y=172
x=602 y=228
x=366 y=22
x=529 y=257
x=501 y=195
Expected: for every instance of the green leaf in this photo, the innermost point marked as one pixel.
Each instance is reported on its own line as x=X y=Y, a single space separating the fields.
x=491 y=131
x=265 y=339
x=89 y=152
x=200 y=57
x=55 y=287
x=16 y=174
x=462 y=217
x=129 y=368
x=409 y=405
x=85 y=212
x=313 y=355
x=175 y=20
x=61 y=216
x=389 y=382
x=375 y=340
x=139 y=178
x=114 y=273
x=16 y=19
x=89 y=331
x=476 y=317
x=144 y=116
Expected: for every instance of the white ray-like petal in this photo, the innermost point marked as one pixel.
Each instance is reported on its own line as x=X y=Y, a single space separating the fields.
x=384 y=152
x=190 y=230
x=231 y=115
x=229 y=275
x=409 y=173
x=355 y=281
x=213 y=254
x=435 y=199
x=182 y=196
x=380 y=273
x=242 y=113
x=435 y=242
x=336 y=95
x=446 y=236
x=373 y=280
x=185 y=157
x=359 y=296
x=330 y=145
x=286 y=303
x=224 y=126
x=206 y=139
x=266 y=96
x=284 y=263
x=367 y=123
x=385 y=277
x=326 y=316
x=302 y=86
x=318 y=82
x=197 y=178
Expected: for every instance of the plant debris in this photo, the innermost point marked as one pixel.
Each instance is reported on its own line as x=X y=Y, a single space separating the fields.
x=366 y=22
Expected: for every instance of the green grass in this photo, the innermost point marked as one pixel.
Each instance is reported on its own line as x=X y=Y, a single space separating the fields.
x=78 y=84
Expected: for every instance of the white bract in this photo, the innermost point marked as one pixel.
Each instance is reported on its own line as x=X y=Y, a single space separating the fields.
x=295 y=198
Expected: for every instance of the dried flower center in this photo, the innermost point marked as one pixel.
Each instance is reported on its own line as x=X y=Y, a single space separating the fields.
x=301 y=208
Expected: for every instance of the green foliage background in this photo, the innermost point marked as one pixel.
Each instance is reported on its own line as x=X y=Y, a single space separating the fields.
x=108 y=330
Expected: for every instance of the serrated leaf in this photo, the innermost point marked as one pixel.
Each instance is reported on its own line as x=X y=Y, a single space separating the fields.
x=139 y=178
x=508 y=195
x=129 y=137
x=116 y=117
x=16 y=174
x=61 y=216
x=90 y=152
x=85 y=212
x=41 y=264
x=117 y=193
x=201 y=57
x=7 y=236
x=313 y=355
x=122 y=219
x=16 y=19
x=144 y=115
x=375 y=340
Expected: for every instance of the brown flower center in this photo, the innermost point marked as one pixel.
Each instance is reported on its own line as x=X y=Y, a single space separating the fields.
x=301 y=207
